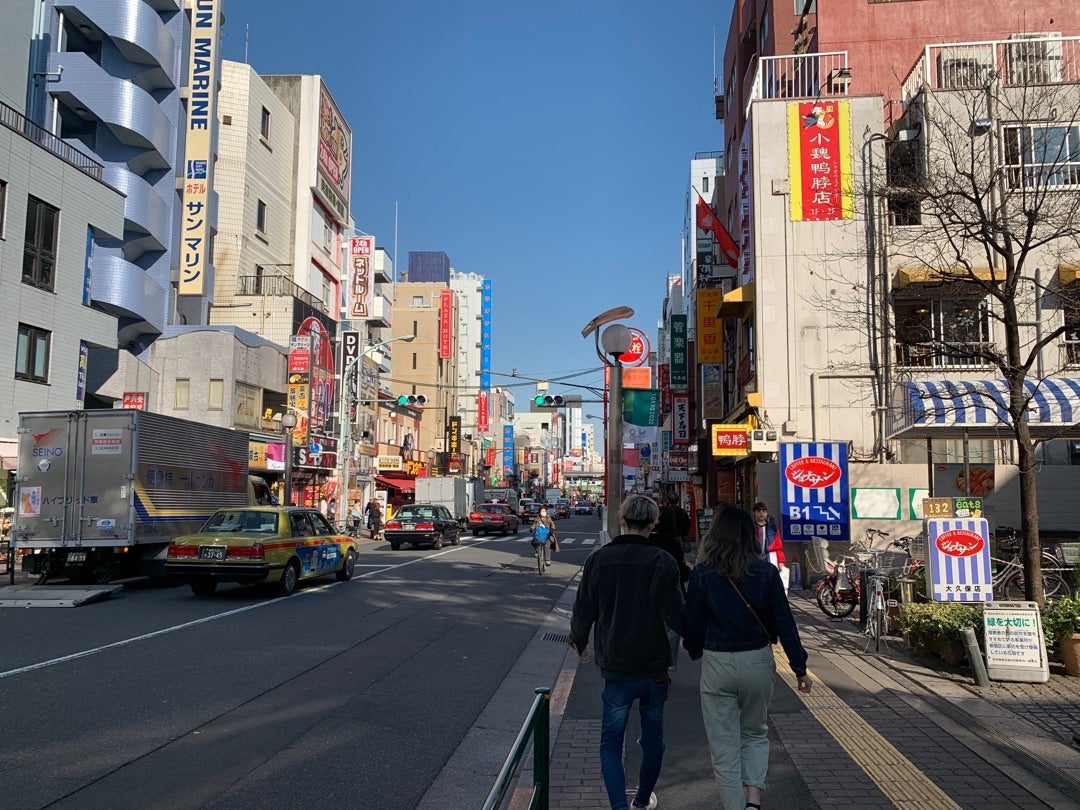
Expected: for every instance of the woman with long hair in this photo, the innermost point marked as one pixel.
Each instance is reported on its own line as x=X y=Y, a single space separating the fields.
x=735 y=610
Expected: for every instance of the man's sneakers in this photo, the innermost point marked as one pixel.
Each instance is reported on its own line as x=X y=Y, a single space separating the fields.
x=651 y=805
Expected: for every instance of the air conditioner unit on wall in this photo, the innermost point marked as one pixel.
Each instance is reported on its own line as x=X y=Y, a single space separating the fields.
x=1035 y=59
x=965 y=66
x=763 y=441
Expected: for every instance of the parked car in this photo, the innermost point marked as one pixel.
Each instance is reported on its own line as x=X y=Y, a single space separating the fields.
x=583 y=508
x=562 y=506
x=493 y=517
x=272 y=545
x=422 y=524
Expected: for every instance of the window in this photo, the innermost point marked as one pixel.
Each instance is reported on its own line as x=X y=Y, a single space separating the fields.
x=39 y=254
x=215 y=397
x=1042 y=155
x=905 y=180
x=417 y=302
x=32 y=354
x=937 y=332
x=704 y=185
x=264 y=124
x=260 y=217
x=182 y=394
x=1072 y=336
x=3 y=207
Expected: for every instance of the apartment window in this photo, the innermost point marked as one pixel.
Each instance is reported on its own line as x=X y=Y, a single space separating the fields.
x=182 y=394
x=704 y=185
x=215 y=395
x=1072 y=336
x=940 y=333
x=414 y=359
x=32 y=354
x=39 y=253
x=3 y=207
x=805 y=7
x=1042 y=155
x=264 y=124
x=906 y=179
x=260 y=217
x=417 y=302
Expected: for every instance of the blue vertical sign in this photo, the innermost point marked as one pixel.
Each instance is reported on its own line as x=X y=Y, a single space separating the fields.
x=958 y=560
x=88 y=267
x=508 y=451
x=485 y=336
x=814 y=491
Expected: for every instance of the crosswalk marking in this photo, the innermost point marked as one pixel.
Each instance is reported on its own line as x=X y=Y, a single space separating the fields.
x=563 y=541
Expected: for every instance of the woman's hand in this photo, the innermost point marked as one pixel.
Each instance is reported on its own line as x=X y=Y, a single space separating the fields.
x=805 y=683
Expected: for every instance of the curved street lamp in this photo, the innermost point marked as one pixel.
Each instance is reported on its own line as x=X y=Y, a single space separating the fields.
x=345 y=398
x=616 y=340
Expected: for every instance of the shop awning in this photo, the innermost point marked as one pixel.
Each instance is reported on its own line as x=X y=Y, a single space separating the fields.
x=737 y=303
x=400 y=484
x=928 y=275
x=950 y=408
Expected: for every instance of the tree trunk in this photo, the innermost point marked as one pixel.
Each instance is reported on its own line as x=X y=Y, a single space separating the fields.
x=1029 y=509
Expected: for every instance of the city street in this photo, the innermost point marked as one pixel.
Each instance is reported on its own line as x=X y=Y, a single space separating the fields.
x=344 y=695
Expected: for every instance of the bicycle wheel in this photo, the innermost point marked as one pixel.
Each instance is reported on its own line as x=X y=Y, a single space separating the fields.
x=1013 y=587
x=831 y=604
x=1054 y=585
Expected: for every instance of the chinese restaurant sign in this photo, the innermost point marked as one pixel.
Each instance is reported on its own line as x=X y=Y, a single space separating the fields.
x=729 y=440
x=819 y=154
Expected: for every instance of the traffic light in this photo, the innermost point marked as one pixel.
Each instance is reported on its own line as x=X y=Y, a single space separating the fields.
x=548 y=401
x=412 y=399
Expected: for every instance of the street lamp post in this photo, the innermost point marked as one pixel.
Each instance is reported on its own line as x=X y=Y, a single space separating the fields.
x=345 y=440
x=288 y=423
x=616 y=342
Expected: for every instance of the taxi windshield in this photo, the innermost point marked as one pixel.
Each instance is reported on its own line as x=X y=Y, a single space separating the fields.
x=241 y=520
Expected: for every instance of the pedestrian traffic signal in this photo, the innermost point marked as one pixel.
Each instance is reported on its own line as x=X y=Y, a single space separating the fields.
x=547 y=401
x=412 y=399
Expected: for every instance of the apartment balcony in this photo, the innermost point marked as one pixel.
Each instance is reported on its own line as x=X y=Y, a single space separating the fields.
x=275 y=286
x=800 y=76
x=19 y=123
x=1022 y=60
x=382 y=311
x=132 y=26
x=942 y=355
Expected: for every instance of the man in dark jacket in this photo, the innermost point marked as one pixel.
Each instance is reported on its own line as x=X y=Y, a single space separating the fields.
x=630 y=591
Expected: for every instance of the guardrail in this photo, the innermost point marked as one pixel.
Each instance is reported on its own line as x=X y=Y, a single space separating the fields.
x=17 y=122
x=535 y=729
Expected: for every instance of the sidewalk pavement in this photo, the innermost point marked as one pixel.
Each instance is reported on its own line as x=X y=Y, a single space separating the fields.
x=878 y=731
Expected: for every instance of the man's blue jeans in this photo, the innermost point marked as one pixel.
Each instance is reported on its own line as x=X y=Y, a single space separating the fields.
x=619 y=696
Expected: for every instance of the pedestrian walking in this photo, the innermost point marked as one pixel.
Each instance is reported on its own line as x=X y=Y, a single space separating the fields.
x=735 y=611
x=548 y=541
x=770 y=543
x=628 y=596
x=665 y=536
x=374 y=518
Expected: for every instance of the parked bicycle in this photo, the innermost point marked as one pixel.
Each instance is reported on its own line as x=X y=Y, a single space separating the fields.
x=1008 y=574
x=840 y=590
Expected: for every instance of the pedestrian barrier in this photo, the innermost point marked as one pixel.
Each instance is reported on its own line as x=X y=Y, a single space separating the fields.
x=535 y=729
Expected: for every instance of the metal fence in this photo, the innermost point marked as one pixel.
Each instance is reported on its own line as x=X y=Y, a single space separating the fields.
x=17 y=122
x=535 y=730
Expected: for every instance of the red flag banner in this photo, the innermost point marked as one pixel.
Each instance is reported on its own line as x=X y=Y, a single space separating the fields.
x=707 y=221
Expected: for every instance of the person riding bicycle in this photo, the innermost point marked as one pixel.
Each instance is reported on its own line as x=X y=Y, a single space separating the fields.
x=549 y=542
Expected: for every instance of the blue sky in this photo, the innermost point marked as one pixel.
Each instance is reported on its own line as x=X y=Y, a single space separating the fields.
x=544 y=146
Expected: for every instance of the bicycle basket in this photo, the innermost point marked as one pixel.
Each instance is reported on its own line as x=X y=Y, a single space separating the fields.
x=889 y=563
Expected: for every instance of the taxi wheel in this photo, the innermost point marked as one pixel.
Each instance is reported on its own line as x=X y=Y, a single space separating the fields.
x=203 y=587
x=347 y=567
x=437 y=543
x=290 y=577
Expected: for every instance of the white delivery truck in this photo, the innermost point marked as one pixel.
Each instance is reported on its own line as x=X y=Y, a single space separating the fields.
x=101 y=493
x=456 y=494
x=507 y=495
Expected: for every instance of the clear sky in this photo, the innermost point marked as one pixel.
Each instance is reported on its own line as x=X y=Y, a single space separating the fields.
x=545 y=146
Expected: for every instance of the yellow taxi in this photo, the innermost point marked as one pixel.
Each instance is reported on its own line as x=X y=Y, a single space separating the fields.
x=272 y=545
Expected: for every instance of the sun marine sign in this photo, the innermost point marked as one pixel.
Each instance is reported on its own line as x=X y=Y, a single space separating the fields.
x=195 y=225
x=819 y=155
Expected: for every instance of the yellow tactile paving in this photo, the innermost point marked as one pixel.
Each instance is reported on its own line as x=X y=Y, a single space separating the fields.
x=893 y=773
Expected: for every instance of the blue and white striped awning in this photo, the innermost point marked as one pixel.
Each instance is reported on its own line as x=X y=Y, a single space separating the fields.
x=948 y=408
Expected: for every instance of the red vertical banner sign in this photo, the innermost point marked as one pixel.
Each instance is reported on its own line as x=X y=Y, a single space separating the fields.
x=446 y=322
x=819 y=149
x=482 y=411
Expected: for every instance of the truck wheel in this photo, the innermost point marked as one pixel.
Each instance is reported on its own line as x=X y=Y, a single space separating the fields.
x=437 y=543
x=203 y=587
x=347 y=567
x=290 y=578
